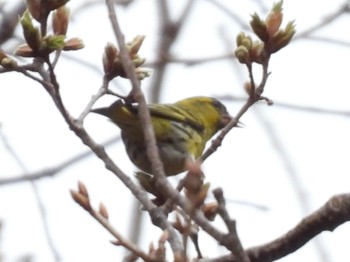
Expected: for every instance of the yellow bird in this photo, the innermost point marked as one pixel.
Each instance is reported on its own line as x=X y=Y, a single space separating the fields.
x=181 y=130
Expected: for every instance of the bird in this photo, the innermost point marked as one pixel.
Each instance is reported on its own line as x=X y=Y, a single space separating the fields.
x=181 y=129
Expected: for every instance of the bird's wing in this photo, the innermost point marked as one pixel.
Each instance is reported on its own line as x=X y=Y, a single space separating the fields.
x=173 y=113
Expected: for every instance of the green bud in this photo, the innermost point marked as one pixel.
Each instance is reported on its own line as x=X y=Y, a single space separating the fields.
x=282 y=38
x=142 y=73
x=259 y=27
x=31 y=34
x=247 y=42
x=242 y=54
x=277 y=7
x=8 y=63
x=240 y=37
x=52 y=43
x=138 y=61
x=134 y=46
x=257 y=52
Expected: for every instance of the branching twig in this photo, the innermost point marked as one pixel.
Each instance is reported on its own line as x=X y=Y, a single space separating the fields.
x=232 y=236
x=152 y=151
x=332 y=214
x=327 y=218
x=145 y=119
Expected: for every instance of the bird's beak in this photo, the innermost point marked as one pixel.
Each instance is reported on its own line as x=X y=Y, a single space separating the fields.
x=240 y=124
x=102 y=111
x=226 y=118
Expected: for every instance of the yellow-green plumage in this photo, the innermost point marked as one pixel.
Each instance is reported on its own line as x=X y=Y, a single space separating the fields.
x=181 y=130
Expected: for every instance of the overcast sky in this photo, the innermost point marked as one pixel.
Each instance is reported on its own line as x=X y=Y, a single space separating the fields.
x=261 y=163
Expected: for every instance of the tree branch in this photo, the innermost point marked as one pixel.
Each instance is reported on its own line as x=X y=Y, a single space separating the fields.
x=332 y=214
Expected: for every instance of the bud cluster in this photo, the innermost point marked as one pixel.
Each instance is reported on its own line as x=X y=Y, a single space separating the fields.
x=38 y=43
x=5 y=61
x=112 y=61
x=271 y=37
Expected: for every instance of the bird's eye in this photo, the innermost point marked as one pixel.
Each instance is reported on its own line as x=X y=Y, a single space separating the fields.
x=219 y=106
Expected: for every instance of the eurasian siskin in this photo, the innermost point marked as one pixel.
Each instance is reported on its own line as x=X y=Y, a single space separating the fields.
x=181 y=130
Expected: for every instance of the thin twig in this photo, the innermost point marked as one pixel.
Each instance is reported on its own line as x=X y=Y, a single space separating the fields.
x=81 y=197
x=102 y=91
x=289 y=106
x=232 y=236
x=55 y=170
x=122 y=241
x=190 y=61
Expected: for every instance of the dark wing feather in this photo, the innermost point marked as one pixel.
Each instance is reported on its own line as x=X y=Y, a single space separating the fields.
x=170 y=112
